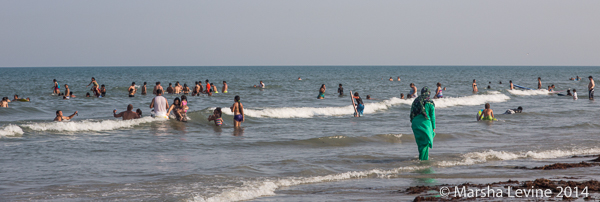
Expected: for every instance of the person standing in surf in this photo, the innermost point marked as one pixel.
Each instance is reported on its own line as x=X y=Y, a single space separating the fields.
x=438 y=91
x=474 y=85
x=539 y=83
x=132 y=90
x=413 y=91
x=360 y=106
x=224 y=89
x=511 y=85
x=341 y=90
x=422 y=118
x=238 y=112
x=321 y=92
x=156 y=88
x=591 y=86
x=95 y=87
x=56 y=87
x=159 y=105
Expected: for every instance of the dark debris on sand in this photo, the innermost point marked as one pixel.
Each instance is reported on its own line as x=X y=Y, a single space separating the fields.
x=593 y=186
x=555 y=166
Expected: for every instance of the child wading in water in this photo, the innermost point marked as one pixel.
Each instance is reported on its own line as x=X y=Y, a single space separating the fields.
x=216 y=117
x=487 y=114
x=238 y=112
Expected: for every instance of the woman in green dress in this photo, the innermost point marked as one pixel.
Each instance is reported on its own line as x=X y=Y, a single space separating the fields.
x=422 y=117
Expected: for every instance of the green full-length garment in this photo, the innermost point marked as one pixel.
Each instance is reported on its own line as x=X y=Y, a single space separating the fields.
x=423 y=130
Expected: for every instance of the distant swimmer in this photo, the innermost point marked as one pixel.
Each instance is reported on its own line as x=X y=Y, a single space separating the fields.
x=487 y=114
x=87 y=94
x=59 y=116
x=103 y=91
x=391 y=79
x=500 y=82
x=170 y=89
x=488 y=87
x=67 y=90
x=160 y=105
x=95 y=88
x=474 y=85
x=196 y=90
x=569 y=93
x=156 y=88
x=572 y=79
x=215 y=90
x=591 y=86
x=216 y=117
x=360 y=106
x=208 y=88
x=401 y=95
x=17 y=98
x=238 y=112
x=511 y=85
x=438 y=91
x=444 y=88
x=70 y=94
x=341 y=90
x=299 y=79
x=539 y=83
x=139 y=112
x=56 y=88
x=422 y=119
x=370 y=98
x=177 y=110
x=577 y=78
x=178 y=88
x=413 y=91
x=4 y=103
x=398 y=78
x=514 y=111
x=574 y=94
x=127 y=115
x=186 y=89
x=144 y=90
x=262 y=85
x=224 y=89
x=132 y=90
x=321 y=92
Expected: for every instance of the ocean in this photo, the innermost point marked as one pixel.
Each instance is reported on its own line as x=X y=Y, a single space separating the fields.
x=292 y=146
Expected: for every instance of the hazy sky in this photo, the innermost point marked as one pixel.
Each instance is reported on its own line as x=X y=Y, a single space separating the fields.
x=282 y=32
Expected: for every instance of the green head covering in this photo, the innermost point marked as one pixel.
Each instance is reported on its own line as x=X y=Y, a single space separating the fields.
x=418 y=106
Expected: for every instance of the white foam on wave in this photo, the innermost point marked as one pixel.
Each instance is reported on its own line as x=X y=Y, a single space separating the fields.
x=529 y=92
x=471 y=100
x=11 y=130
x=251 y=190
x=89 y=125
x=482 y=157
x=370 y=108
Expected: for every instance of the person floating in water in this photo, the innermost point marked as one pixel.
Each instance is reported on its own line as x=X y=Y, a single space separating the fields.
x=238 y=112
x=360 y=106
x=127 y=115
x=224 y=89
x=216 y=117
x=413 y=91
x=341 y=90
x=132 y=90
x=321 y=92
x=422 y=118
x=487 y=114
x=591 y=86
x=514 y=111
x=59 y=116
x=438 y=91
x=370 y=98
x=474 y=85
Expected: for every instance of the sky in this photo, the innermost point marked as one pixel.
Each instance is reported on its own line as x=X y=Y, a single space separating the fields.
x=288 y=32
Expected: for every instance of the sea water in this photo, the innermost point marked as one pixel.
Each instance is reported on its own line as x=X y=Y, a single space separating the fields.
x=292 y=146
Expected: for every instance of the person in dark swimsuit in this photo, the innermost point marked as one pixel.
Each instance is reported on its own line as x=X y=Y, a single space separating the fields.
x=238 y=112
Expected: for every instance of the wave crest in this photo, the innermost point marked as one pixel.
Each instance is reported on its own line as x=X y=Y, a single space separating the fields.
x=88 y=125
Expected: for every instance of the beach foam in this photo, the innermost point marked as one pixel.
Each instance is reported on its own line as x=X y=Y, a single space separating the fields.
x=482 y=157
x=370 y=108
x=529 y=92
x=11 y=130
x=251 y=190
x=88 y=125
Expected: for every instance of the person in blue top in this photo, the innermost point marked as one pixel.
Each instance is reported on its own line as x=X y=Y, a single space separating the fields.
x=422 y=118
x=360 y=106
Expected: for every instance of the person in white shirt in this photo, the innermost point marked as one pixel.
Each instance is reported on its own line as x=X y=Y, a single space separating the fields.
x=160 y=105
x=261 y=85
x=574 y=94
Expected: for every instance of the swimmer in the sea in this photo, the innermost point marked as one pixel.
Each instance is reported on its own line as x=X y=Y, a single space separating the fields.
x=139 y=112
x=341 y=90
x=360 y=106
x=144 y=89
x=487 y=114
x=127 y=115
x=103 y=90
x=59 y=116
x=186 y=89
x=216 y=117
x=56 y=87
x=474 y=85
x=170 y=89
x=238 y=112
x=299 y=79
x=215 y=90
x=413 y=91
x=591 y=86
x=539 y=83
x=157 y=87
x=70 y=94
x=514 y=111
x=391 y=79
x=95 y=87
x=321 y=92
x=4 y=103
x=511 y=85
x=67 y=90
x=370 y=98
x=574 y=94
x=438 y=91
x=569 y=92
x=398 y=78
x=132 y=90
x=224 y=89
x=401 y=95
x=262 y=85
